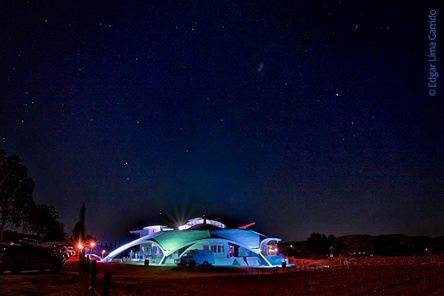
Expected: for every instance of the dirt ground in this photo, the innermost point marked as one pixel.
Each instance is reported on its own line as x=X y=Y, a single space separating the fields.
x=362 y=276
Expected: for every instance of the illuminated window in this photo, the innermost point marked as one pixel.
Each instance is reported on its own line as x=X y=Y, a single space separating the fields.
x=217 y=248
x=272 y=250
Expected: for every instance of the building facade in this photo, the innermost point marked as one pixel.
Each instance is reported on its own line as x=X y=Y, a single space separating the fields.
x=162 y=245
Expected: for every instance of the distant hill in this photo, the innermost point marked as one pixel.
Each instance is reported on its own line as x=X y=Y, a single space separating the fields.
x=365 y=245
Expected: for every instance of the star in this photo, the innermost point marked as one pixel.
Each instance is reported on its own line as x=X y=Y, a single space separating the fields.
x=260 y=67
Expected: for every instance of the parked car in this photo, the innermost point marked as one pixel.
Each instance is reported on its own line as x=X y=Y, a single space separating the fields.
x=23 y=258
x=194 y=258
x=68 y=251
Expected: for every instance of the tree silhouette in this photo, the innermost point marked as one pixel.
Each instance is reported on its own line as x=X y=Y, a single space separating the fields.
x=15 y=191
x=44 y=223
x=319 y=243
x=17 y=207
x=79 y=228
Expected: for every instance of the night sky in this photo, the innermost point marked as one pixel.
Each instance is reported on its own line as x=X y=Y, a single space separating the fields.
x=303 y=117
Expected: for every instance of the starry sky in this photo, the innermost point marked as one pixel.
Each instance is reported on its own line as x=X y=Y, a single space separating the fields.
x=304 y=116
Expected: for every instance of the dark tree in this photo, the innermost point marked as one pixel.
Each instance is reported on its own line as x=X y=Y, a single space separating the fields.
x=45 y=224
x=79 y=228
x=318 y=244
x=15 y=191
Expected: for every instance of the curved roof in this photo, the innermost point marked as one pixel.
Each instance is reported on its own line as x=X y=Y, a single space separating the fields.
x=245 y=237
x=172 y=240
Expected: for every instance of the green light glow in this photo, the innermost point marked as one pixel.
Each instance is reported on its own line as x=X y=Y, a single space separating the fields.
x=173 y=240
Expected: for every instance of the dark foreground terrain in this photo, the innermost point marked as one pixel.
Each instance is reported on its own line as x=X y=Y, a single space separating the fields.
x=363 y=276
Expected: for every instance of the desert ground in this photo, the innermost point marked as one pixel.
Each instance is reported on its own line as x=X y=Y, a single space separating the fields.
x=336 y=276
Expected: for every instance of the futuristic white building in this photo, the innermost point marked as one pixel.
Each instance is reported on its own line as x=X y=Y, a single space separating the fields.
x=229 y=246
